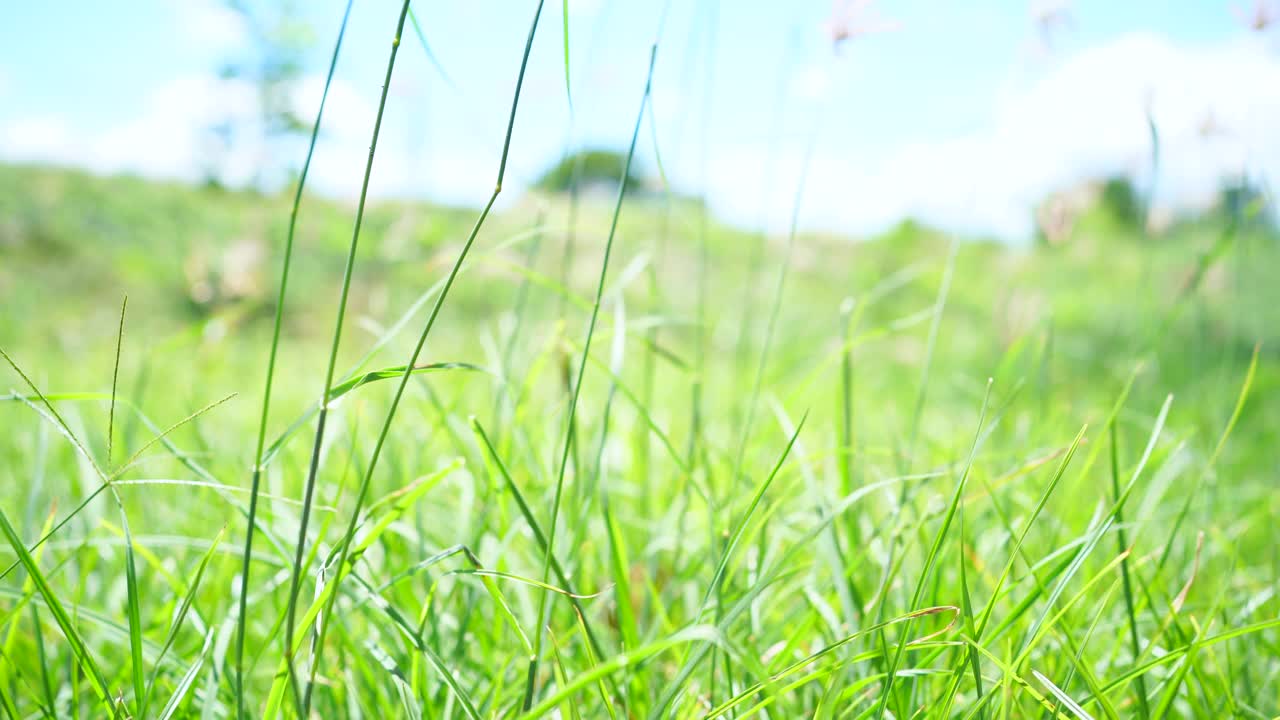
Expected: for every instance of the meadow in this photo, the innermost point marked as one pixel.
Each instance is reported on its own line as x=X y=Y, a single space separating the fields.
x=618 y=457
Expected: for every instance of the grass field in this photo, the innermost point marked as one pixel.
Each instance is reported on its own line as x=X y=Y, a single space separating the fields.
x=913 y=476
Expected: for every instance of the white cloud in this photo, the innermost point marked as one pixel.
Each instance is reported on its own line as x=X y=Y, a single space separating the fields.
x=456 y=171
x=812 y=82
x=170 y=134
x=212 y=24
x=347 y=113
x=39 y=138
x=585 y=8
x=1082 y=119
x=168 y=137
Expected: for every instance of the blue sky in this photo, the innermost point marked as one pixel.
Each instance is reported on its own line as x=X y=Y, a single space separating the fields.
x=960 y=113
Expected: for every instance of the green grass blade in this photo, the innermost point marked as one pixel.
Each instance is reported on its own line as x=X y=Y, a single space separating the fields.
x=134 y=609
x=690 y=662
x=188 y=680
x=1026 y=528
x=426 y=50
x=582 y=365
x=115 y=379
x=427 y=327
x=184 y=607
x=935 y=550
x=798 y=666
x=78 y=646
x=568 y=87
x=1135 y=644
x=295 y=584
x=539 y=536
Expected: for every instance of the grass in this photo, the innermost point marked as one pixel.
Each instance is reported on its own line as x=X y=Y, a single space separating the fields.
x=637 y=472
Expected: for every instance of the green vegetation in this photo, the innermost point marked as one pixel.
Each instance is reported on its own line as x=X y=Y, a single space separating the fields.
x=588 y=168
x=633 y=464
x=1121 y=202
x=707 y=537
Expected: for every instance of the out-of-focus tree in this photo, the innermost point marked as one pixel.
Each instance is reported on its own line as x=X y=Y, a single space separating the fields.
x=270 y=61
x=587 y=169
x=1244 y=202
x=1120 y=201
